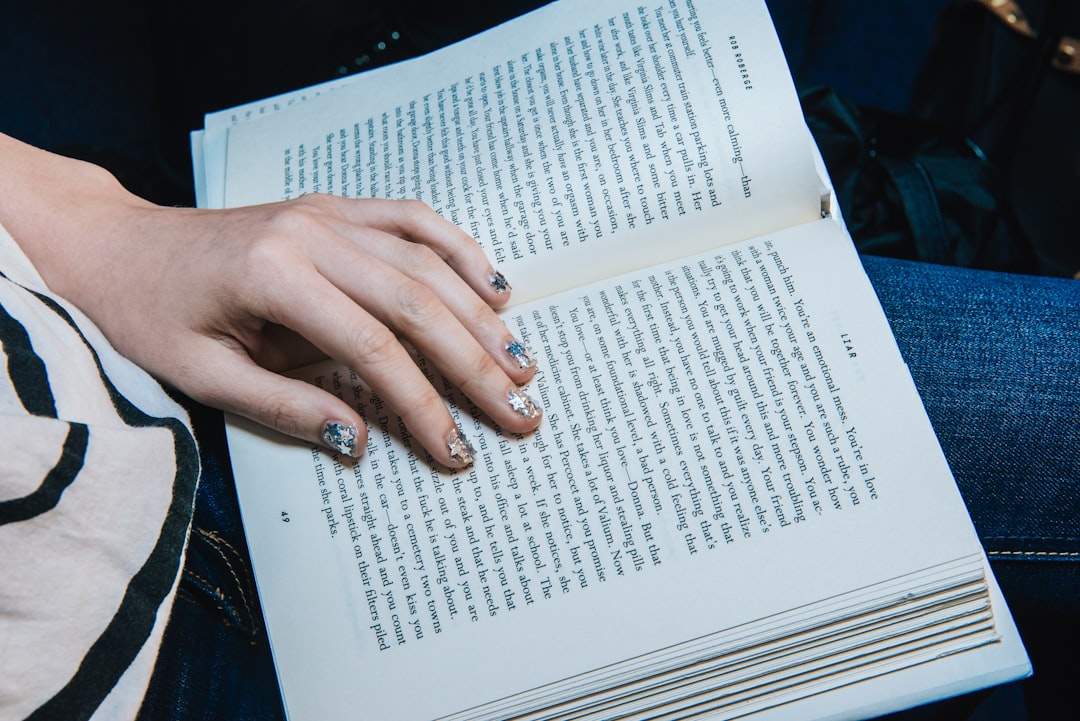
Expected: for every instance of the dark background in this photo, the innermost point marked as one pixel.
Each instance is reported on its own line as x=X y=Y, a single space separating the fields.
x=122 y=83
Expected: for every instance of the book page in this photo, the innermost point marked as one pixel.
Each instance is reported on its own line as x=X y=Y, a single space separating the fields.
x=208 y=145
x=729 y=436
x=583 y=140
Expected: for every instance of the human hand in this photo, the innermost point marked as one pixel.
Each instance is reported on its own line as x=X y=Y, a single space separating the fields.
x=215 y=303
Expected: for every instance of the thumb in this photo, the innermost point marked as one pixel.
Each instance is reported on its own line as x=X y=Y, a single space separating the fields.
x=239 y=385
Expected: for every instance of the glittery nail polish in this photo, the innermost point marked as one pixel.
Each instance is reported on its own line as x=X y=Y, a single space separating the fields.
x=521 y=354
x=460 y=449
x=341 y=437
x=522 y=404
x=498 y=281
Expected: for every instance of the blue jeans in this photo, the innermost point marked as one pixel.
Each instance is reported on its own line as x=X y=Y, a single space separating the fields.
x=996 y=358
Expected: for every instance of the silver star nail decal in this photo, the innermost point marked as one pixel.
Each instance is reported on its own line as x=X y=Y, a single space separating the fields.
x=523 y=356
x=341 y=437
x=522 y=404
x=498 y=281
x=460 y=449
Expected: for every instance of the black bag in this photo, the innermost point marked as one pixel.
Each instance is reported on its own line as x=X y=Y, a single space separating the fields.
x=985 y=172
x=910 y=189
x=1007 y=75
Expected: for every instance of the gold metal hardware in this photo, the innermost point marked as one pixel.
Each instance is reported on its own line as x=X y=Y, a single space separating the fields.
x=1067 y=57
x=1009 y=12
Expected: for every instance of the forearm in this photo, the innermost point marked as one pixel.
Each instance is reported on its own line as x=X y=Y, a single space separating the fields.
x=60 y=212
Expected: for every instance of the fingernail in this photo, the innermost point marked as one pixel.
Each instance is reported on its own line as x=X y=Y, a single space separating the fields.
x=523 y=356
x=498 y=281
x=341 y=437
x=522 y=404
x=460 y=449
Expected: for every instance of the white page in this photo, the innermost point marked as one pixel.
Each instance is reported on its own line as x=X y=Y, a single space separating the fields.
x=579 y=139
x=730 y=661
x=209 y=145
x=200 y=169
x=908 y=517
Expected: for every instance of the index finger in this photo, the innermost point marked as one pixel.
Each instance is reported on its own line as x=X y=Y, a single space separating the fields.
x=415 y=221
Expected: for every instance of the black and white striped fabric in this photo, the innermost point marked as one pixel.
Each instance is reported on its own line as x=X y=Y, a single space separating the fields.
x=98 y=470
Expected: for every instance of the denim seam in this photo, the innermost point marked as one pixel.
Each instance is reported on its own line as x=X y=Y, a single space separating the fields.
x=215 y=541
x=182 y=594
x=213 y=591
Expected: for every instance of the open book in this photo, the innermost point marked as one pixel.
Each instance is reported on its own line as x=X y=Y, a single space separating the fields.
x=735 y=506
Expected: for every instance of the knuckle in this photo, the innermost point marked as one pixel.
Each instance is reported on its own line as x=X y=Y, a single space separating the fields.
x=420 y=260
x=415 y=209
x=294 y=219
x=373 y=344
x=275 y=248
x=319 y=202
x=417 y=303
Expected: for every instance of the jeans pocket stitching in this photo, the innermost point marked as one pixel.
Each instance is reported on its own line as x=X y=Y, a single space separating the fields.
x=208 y=589
x=218 y=543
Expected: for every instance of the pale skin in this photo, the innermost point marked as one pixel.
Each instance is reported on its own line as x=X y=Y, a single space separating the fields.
x=217 y=302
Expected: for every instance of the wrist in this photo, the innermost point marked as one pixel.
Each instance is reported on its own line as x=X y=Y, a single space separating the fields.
x=65 y=214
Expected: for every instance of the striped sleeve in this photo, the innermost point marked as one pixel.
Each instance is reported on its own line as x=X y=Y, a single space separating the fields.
x=98 y=470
